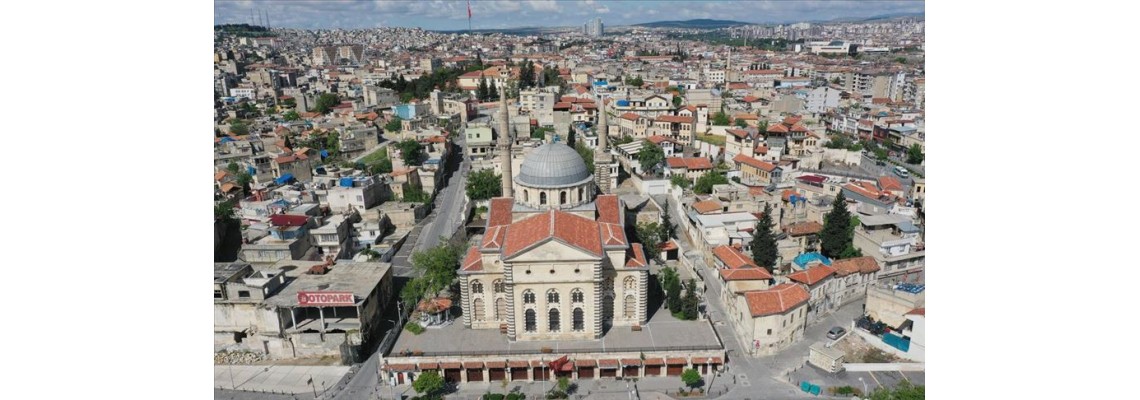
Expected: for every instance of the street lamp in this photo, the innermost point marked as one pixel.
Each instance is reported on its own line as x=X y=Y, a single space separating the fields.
x=864 y=386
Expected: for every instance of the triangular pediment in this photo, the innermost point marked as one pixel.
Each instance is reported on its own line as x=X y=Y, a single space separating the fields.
x=552 y=249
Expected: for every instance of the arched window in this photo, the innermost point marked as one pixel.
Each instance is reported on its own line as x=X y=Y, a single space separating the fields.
x=500 y=309
x=528 y=297
x=476 y=287
x=477 y=310
x=629 y=283
x=577 y=296
x=554 y=320
x=630 y=307
x=542 y=198
x=562 y=197
x=552 y=296
x=497 y=285
x=526 y=196
x=608 y=284
x=531 y=321
x=579 y=320
x=580 y=197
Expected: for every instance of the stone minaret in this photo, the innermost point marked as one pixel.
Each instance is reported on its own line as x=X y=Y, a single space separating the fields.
x=602 y=157
x=505 y=144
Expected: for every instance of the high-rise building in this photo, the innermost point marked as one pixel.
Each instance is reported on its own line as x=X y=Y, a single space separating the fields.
x=594 y=28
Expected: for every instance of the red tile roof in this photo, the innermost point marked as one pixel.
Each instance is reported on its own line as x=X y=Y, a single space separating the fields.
x=690 y=163
x=630 y=116
x=804 y=228
x=500 y=213
x=473 y=261
x=752 y=162
x=218 y=176
x=733 y=258
x=612 y=235
x=674 y=119
x=740 y=133
x=777 y=300
x=918 y=311
x=745 y=274
x=636 y=257
x=865 y=264
x=568 y=228
x=707 y=206
x=609 y=211
x=812 y=275
x=658 y=139
x=746 y=117
x=494 y=237
x=887 y=183
x=777 y=128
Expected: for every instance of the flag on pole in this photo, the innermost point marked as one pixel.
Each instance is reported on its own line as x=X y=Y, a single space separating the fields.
x=468 y=9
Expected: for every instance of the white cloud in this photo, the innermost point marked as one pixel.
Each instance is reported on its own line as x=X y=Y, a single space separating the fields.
x=602 y=10
x=544 y=5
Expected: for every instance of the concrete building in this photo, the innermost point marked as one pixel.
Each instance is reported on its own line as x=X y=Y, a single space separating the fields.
x=890 y=303
x=298 y=309
x=356 y=193
x=893 y=241
x=771 y=320
x=480 y=143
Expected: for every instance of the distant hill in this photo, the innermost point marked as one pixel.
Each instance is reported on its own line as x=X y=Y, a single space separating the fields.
x=881 y=17
x=694 y=24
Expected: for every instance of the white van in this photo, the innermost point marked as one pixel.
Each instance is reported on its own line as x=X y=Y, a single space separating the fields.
x=902 y=172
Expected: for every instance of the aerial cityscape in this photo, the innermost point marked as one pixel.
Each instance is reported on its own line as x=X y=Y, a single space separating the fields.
x=573 y=199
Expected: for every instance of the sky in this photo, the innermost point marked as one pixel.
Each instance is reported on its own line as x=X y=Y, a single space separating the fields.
x=497 y=14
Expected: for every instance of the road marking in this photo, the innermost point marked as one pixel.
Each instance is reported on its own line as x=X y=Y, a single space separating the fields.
x=876 y=379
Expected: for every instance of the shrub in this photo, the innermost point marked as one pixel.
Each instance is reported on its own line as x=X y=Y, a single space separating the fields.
x=493 y=396
x=414 y=327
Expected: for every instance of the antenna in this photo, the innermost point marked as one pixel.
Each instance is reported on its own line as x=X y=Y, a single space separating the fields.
x=259 y=18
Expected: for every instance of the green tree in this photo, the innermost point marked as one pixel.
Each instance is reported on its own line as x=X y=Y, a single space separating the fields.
x=332 y=143
x=720 y=118
x=914 y=154
x=395 y=125
x=903 y=391
x=484 y=184
x=494 y=93
x=244 y=179
x=412 y=152
x=690 y=304
x=680 y=180
x=384 y=166
x=587 y=155
x=667 y=222
x=676 y=101
x=325 y=102
x=563 y=384
x=624 y=139
x=224 y=211
x=649 y=234
x=764 y=242
x=437 y=266
x=834 y=238
x=636 y=81
x=671 y=282
x=691 y=378
x=651 y=156
x=239 y=128
x=482 y=91
x=428 y=383
x=233 y=168
x=740 y=122
x=705 y=182
x=291 y=115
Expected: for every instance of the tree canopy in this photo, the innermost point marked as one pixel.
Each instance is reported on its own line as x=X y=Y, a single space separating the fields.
x=834 y=238
x=428 y=383
x=650 y=156
x=671 y=283
x=650 y=234
x=740 y=122
x=394 y=125
x=587 y=155
x=764 y=251
x=437 y=266
x=484 y=184
x=691 y=378
x=325 y=102
x=720 y=118
x=412 y=152
x=903 y=391
x=690 y=304
x=914 y=154
x=680 y=180
x=705 y=182
x=239 y=128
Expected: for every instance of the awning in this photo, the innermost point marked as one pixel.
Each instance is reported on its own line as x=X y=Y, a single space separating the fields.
x=630 y=362
x=608 y=364
x=401 y=367
x=716 y=360
x=518 y=364
x=585 y=363
x=496 y=364
x=426 y=366
x=654 y=361
x=700 y=360
x=676 y=361
x=473 y=365
x=450 y=365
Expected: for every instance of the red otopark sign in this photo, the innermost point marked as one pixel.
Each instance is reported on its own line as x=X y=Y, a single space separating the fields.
x=325 y=299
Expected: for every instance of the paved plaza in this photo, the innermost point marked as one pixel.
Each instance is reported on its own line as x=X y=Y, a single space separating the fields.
x=663 y=332
x=277 y=378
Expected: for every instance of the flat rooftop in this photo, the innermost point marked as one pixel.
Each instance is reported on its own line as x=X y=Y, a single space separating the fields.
x=360 y=278
x=662 y=333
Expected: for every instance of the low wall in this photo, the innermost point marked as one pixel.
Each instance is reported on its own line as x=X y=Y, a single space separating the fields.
x=876 y=367
x=877 y=342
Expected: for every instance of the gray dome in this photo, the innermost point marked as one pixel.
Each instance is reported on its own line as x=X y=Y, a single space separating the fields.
x=553 y=165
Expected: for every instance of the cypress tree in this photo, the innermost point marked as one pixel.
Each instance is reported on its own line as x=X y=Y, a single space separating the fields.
x=834 y=239
x=764 y=242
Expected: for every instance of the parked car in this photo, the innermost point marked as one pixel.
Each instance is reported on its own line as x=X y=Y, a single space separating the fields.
x=835 y=333
x=901 y=172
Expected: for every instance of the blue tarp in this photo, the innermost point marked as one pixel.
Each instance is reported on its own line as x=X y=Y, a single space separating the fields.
x=623 y=103
x=251 y=170
x=346 y=182
x=226 y=139
x=284 y=179
x=803 y=260
x=324 y=153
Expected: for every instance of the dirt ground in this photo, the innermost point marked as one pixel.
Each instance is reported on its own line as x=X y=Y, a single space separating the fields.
x=856 y=350
x=308 y=361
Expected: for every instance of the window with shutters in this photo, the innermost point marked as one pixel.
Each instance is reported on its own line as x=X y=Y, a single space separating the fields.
x=528 y=297
x=579 y=320
x=577 y=296
x=552 y=296
x=531 y=321
x=554 y=320
x=476 y=287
